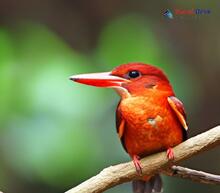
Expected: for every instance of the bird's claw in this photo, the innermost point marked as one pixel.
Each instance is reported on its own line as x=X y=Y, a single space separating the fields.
x=137 y=164
x=170 y=154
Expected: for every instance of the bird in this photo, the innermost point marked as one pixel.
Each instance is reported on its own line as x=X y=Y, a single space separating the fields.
x=149 y=117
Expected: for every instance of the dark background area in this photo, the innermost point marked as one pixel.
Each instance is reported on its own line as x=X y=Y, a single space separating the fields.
x=55 y=134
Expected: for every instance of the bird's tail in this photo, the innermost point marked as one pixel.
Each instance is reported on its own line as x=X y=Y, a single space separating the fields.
x=154 y=184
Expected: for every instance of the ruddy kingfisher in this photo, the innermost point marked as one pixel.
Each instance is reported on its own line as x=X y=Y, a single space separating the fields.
x=149 y=117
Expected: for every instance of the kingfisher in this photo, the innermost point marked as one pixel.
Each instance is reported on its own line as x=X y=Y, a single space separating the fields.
x=149 y=117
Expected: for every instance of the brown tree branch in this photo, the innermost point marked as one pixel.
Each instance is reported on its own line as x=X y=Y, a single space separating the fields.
x=194 y=175
x=125 y=172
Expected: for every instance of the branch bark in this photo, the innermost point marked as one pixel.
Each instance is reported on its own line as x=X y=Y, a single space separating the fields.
x=194 y=175
x=152 y=164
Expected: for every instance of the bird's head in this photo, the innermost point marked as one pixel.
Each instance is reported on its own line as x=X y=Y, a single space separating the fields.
x=127 y=79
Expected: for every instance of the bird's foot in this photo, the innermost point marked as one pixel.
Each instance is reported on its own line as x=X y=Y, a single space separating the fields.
x=170 y=153
x=137 y=164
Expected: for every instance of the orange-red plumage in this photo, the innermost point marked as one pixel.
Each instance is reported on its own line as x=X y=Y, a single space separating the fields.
x=149 y=118
x=150 y=122
x=150 y=125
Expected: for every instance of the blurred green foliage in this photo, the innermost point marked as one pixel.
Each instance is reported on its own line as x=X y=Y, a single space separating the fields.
x=45 y=133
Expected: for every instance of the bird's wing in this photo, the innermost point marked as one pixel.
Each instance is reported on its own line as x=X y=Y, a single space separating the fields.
x=178 y=108
x=120 y=125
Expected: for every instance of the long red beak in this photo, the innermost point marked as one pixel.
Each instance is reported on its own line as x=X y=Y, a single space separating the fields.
x=104 y=79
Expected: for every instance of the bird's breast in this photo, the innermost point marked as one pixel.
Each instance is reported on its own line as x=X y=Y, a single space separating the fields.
x=151 y=126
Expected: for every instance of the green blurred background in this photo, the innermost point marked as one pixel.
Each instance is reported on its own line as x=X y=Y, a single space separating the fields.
x=55 y=134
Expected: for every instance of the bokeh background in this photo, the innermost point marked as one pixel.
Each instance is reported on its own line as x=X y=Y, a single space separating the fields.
x=55 y=134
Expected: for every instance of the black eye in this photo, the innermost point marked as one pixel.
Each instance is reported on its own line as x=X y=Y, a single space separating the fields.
x=134 y=74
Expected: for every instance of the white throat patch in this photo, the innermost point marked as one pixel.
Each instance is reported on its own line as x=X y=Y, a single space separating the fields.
x=123 y=92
